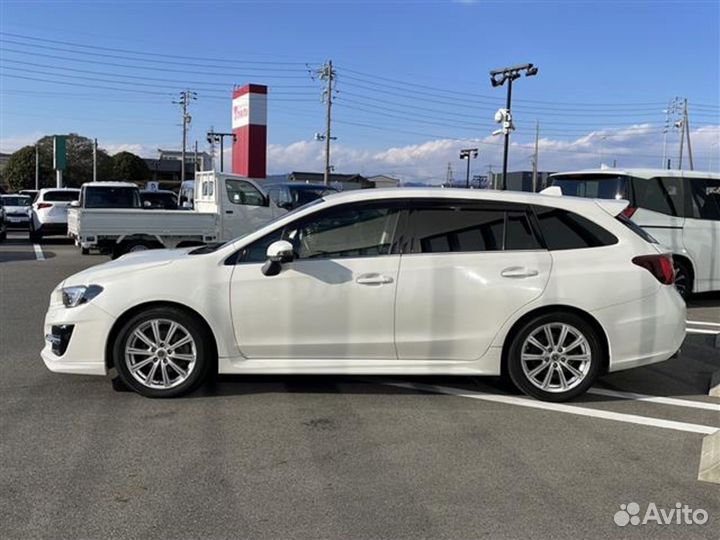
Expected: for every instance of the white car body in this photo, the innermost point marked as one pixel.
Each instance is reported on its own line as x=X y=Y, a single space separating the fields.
x=16 y=215
x=413 y=313
x=676 y=220
x=48 y=213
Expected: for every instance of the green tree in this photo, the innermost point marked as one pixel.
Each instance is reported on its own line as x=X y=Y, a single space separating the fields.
x=20 y=169
x=129 y=167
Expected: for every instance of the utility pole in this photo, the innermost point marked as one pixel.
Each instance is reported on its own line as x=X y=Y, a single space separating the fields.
x=535 y=157
x=449 y=176
x=681 y=125
x=670 y=114
x=195 y=161
x=468 y=153
x=491 y=176
x=37 y=166
x=686 y=122
x=94 y=160
x=327 y=74
x=498 y=77
x=213 y=137
x=186 y=96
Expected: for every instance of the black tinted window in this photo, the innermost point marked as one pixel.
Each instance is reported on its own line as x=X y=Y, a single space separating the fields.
x=594 y=187
x=340 y=232
x=111 y=197
x=519 y=233
x=241 y=192
x=61 y=196
x=662 y=195
x=705 y=198
x=566 y=230
x=442 y=229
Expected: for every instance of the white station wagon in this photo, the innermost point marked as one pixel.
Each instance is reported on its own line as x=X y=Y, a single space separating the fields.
x=552 y=291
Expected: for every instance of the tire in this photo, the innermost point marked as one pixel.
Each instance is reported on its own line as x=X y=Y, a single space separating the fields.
x=540 y=371
x=163 y=372
x=35 y=237
x=3 y=234
x=85 y=251
x=132 y=246
x=683 y=278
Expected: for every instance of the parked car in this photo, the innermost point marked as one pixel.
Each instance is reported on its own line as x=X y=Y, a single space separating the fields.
x=16 y=210
x=3 y=227
x=109 y=195
x=159 y=200
x=291 y=195
x=32 y=193
x=679 y=208
x=48 y=213
x=552 y=291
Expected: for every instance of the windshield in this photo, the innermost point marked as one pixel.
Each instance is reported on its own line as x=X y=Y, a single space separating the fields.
x=16 y=201
x=111 y=197
x=593 y=186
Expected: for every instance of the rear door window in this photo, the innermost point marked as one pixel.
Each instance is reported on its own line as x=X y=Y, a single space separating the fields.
x=562 y=229
x=660 y=194
x=704 y=198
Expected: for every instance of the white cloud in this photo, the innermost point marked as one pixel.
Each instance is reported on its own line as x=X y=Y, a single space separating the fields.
x=634 y=146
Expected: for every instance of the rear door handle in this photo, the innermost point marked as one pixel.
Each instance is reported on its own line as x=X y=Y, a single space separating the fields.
x=373 y=279
x=518 y=272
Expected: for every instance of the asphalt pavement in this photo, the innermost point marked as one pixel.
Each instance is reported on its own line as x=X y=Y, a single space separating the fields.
x=339 y=457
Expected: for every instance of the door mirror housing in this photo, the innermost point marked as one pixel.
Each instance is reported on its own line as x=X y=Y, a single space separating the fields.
x=75 y=204
x=279 y=252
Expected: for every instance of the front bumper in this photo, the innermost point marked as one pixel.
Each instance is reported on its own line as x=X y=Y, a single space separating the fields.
x=81 y=350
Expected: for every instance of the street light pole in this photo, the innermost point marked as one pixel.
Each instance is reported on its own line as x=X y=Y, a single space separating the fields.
x=498 y=78
x=468 y=153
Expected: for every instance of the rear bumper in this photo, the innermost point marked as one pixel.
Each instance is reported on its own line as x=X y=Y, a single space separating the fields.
x=644 y=331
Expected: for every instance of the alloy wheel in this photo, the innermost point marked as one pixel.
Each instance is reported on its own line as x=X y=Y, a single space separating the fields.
x=556 y=357
x=160 y=353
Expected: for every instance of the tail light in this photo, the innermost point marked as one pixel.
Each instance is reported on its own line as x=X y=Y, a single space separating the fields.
x=629 y=211
x=660 y=266
x=42 y=205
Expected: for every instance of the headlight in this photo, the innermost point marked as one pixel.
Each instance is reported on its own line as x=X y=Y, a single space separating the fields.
x=74 y=296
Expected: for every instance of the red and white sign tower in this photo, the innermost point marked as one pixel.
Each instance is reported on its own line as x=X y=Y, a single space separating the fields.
x=249 y=125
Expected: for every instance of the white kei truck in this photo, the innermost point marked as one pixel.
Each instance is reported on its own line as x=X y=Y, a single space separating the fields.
x=110 y=217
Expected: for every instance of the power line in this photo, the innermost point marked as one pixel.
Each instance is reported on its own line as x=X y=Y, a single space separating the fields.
x=144 y=53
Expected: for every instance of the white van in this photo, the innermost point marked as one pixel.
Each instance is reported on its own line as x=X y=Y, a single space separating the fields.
x=681 y=209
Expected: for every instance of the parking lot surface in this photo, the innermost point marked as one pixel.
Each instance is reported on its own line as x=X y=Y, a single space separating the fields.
x=340 y=457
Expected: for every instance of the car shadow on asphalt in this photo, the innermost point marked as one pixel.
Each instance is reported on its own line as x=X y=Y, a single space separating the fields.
x=704 y=300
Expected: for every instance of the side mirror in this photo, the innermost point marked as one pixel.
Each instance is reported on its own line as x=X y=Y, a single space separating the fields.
x=279 y=252
x=75 y=204
x=186 y=204
x=147 y=204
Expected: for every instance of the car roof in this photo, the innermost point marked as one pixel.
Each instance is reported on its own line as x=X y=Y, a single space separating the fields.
x=159 y=191
x=110 y=184
x=46 y=190
x=641 y=173
x=15 y=195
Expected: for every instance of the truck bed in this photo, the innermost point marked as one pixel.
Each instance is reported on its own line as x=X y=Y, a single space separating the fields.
x=84 y=222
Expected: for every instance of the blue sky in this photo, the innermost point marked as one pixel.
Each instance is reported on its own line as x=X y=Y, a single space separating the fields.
x=412 y=76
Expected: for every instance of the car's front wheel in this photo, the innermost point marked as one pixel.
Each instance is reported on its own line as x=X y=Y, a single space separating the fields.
x=555 y=357
x=163 y=352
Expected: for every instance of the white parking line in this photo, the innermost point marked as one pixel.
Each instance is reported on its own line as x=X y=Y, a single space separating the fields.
x=656 y=399
x=39 y=255
x=701 y=331
x=703 y=323
x=559 y=407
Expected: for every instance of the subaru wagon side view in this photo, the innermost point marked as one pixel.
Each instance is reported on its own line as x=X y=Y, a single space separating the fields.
x=552 y=291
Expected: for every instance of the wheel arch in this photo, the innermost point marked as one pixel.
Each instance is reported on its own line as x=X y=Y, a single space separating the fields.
x=127 y=315
x=687 y=261
x=556 y=308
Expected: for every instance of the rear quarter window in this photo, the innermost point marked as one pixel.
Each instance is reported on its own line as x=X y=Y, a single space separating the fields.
x=562 y=229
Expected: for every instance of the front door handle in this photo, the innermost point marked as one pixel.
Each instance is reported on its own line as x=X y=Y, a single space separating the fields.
x=228 y=211
x=518 y=272
x=373 y=279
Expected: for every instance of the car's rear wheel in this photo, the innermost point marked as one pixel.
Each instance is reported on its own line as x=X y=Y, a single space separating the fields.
x=555 y=357
x=683 y=278
x=163 y=352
